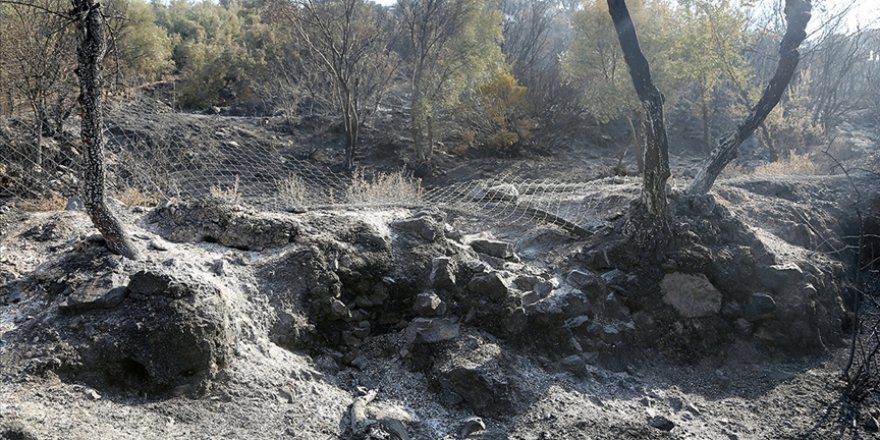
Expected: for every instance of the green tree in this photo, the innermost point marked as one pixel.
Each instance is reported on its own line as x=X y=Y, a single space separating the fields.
x=451 y=47
x=142 y=46
x=594 y=63
x=708 y=48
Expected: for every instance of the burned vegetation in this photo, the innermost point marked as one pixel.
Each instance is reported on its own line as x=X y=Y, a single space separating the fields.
x=439 y=219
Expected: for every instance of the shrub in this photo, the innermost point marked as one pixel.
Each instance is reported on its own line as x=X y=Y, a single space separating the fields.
x=230 y=194
x=52 y=201
x=794 y=165
x=132 y=196
x=384 y=189
x=292 y=191
x=501 y=118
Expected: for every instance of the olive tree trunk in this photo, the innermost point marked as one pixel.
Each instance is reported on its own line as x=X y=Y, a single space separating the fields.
x=797 y=15
x=90 y=53
x=656 y=164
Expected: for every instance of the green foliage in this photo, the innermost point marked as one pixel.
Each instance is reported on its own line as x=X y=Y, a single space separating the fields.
x=501 y=115
x=594 y=62
x=219 y=50
x=143 y=47
x=707 y=52
x=451 y=47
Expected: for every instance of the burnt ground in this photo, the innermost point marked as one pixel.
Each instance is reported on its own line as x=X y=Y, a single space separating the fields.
x=241 y=324
x=407 y=323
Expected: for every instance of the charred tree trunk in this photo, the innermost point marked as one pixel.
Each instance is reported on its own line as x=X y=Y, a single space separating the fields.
x=656 y=143
x=90 y=52
x=797 y=15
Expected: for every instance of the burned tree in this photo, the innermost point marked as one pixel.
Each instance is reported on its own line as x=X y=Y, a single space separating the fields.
x=90 y=53
x=656 y=168
x=797 y=15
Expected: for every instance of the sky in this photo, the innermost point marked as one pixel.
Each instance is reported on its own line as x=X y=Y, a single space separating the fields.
x=864 y=12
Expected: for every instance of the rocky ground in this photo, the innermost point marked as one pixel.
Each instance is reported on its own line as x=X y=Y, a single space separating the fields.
x=420 y=324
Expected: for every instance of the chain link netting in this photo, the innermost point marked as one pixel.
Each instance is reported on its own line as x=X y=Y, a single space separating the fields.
x=205 y=156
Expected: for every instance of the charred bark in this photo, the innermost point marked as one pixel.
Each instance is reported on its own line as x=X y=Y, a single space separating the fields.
x=656 y=165
x=90 y=52
x=797 y=15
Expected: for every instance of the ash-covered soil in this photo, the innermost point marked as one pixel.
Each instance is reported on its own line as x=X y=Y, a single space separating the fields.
x=403 y=324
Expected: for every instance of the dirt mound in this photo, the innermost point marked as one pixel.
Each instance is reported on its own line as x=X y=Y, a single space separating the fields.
x=348 y=323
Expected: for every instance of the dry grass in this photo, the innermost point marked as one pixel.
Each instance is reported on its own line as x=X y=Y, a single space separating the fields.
x=134 y=197
x=794 y=165
x=50 y=202
x=231 y=194
x=384 y=189
x=292 y=191
x=734 y=170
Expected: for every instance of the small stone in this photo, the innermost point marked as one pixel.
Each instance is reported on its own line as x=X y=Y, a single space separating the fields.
x=220 y=268
x=359 y=362
x=871 y=424
x=470 y=426
x=761 y=306
x=661 y=423
x=543 y=288
x=425 y=330
x=74 y=203
x=92 y=394
x=427 y=304
x=159 y=244
x=530 y=297
x=581 y=278
x=424 y=227
x=574 y=363
x=503 y=192
x=339 y=309
x=691 y=295
x=489 y=284
x=494 y=248
x=442 y=273
x=615 y=277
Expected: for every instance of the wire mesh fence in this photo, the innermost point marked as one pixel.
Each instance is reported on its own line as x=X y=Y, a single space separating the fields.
x=209 y=158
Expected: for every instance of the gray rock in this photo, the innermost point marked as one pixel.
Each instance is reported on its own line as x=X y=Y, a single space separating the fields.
x=428 y=330
x=661 y=423
x=442 y=273
x=74 y=203
x=173 y=330
x=339 y=309
x=159 y=244
x=761 y=306
x=101 y=293
x=494 y=248
x=428 y=304
x=530 y=297
x=574 y=363
x=489 y=284
x=483 y=389
x=231 y=226
x=470 y=426
x=615 y=277
x=423 y=227
x=691 y=295
x=543 y=288
x=495 y=193
x=871 y=424
x=581 y=278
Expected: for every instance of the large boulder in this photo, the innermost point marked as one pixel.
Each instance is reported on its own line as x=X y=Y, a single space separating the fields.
x=691 y=295
x=229 y=225
x=169 y=331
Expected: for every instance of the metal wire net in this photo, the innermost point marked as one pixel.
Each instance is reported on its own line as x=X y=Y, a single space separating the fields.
x=203 y=156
